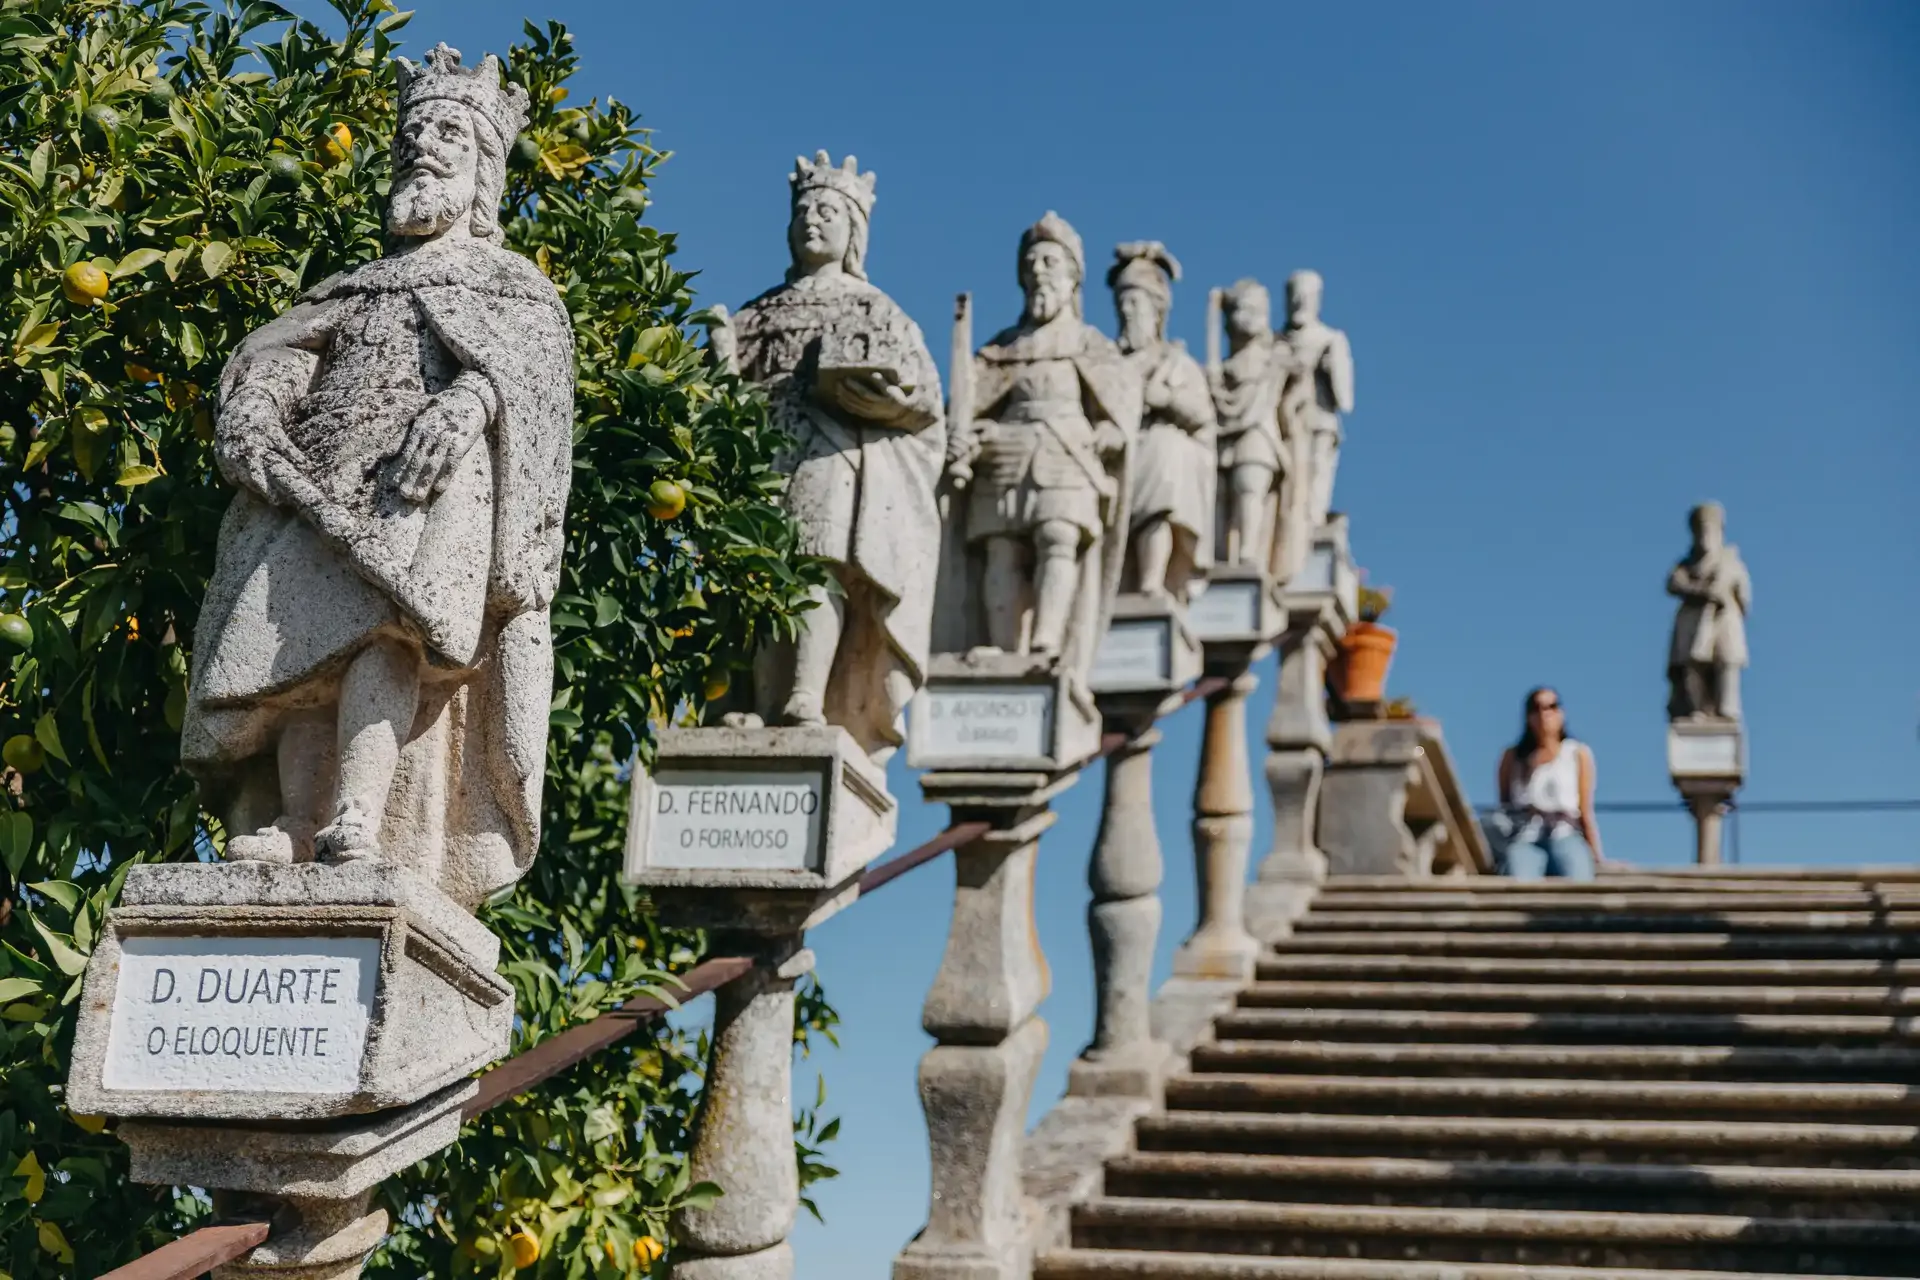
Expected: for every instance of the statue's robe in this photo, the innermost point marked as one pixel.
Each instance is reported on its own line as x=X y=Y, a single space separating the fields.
x=861 y=492
x=1705 y=632
x=1173 y=472
x=1246 y=398
x=1040 y=394
x=302 y=587
x=1319 y=389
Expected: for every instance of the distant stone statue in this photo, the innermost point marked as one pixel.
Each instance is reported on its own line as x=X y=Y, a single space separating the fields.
x=850 y=378
x=1041 y=458
x=1173 y=459
x=1709 y=647
x=372 y=666
x=1319 y=389
x=1260 y=469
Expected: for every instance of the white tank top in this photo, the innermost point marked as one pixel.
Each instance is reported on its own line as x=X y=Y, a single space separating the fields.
x=1552 y=788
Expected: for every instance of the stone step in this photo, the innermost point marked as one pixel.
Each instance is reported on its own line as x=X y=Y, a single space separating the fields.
x=1574 y=920
x=1749 y=1190
x=1294 y=966
x=1570 y=996
x=1588 y=1062
x=1722 y=944
x=1758 y=1142
x=1539 y=1236
x=1132 y=1264
x=1516 y=1027
x=1415 y=1095
x=1665 y=902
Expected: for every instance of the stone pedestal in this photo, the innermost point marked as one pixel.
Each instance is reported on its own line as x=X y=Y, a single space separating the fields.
x=290 y=1034
x=993 y=710
x=1707 y=759
x=755 y=834
x=1148 y=647
x=982 y=1011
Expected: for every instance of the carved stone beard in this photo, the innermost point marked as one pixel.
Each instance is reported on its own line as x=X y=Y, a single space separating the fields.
x=424 y=204
x=1047 y=299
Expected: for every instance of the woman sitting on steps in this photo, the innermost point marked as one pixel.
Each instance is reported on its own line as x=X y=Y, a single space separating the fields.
x=1546 y=797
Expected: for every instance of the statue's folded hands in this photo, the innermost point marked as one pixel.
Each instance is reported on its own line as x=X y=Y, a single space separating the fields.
x=438 y=440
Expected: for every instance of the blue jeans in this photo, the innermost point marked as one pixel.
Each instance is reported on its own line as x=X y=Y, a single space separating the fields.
x=1565 y=856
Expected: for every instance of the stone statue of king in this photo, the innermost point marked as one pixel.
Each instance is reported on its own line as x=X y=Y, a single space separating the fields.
x=849 y=378
x=372 y=666
x=1042 y=458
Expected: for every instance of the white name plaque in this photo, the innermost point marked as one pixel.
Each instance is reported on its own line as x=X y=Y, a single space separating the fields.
x=736 y=819
x=985 y=722
x=1704 y=755
x=1133 y=653
x=1230 y=608
x=249 y=1015
x=1317 y=573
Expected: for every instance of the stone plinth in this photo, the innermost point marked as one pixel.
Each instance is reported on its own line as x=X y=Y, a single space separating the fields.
x=1392 y=804
x=1707 y=759
x=992 y=710
x=762 y=830
x=1239 y=605
x=1148 y=648
x=256 y=991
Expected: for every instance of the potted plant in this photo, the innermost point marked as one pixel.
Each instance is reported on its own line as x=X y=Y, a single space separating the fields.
x=1359 y=674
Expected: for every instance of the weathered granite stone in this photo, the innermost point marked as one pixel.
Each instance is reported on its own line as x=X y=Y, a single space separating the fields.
x=755 y=828
x=1709 y=646
x=849 y=377
x=372 y=666
x=212 y=991
x=1220 y=946
x=1298 y=738
x=1041 y=433
x=1148 y=648
x=372 y=677
x=1002 y=711
x=1319 y=389
x=329 y=1160
x=1172 y=475
x=1123 y=921
x=976 y=1081
x=1262 y=468
x=744 y=1133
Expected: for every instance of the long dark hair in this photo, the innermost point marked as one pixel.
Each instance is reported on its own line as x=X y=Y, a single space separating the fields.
x=1529 y=741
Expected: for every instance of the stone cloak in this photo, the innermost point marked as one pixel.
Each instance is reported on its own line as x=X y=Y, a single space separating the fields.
x=877 y=515
x=465 y=805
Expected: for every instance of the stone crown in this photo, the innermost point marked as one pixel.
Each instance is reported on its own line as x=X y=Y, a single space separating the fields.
x=476 y=88
x=822 y=174
x=1057 y=229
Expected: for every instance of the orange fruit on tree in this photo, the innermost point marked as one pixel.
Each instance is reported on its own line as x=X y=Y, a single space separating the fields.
x=24 y=754
x=84 y=284
x=336 y=144
x=525 y=1247
x=647 y=1251
x=665 y=500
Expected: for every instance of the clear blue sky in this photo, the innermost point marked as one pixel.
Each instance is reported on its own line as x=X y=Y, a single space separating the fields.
x=1598 y=262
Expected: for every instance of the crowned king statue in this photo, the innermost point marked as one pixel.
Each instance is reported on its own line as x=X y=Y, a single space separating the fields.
x=850 y=379
x=372 y=667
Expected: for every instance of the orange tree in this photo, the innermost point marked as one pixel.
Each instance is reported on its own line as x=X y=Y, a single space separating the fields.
x=171 y=176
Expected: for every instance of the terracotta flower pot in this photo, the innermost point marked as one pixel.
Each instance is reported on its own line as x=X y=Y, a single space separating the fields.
x=1360 y=674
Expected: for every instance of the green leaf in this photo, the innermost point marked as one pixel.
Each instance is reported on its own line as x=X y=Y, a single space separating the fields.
x=215 y=258
x=64 y=892
x=135 y=476
x=59 y=949
x=137 y=261
x=702 y=1195
x=47 y=733
x=12 y=989
x=192 y=345
x=16 y=840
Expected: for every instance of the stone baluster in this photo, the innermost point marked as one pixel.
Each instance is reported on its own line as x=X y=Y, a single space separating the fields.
x=1298 y=739
x=1220 y=946
x=743 y=1133
x=982 y=1011
x=1123 y=920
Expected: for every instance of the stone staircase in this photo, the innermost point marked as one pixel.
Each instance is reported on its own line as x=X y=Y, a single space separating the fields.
x=1655 y=1077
